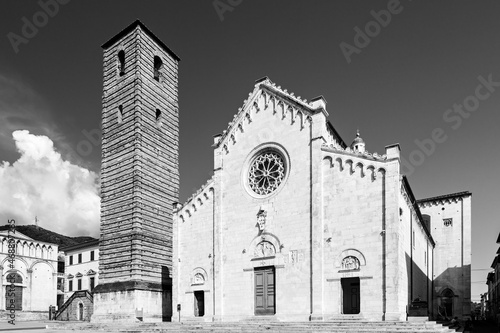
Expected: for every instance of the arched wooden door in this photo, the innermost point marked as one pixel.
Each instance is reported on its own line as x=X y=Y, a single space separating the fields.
x=447 y=303
x=13 y=292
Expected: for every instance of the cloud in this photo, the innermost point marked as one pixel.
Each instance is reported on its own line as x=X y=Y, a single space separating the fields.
x=63 y=196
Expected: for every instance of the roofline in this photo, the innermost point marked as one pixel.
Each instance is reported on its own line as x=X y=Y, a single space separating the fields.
x=330 y=126
x=79 y=245
x=498 y=239
x=413 y=201
x=494 y=263
x=448 y=196
x=28 y=238
x=130 y=28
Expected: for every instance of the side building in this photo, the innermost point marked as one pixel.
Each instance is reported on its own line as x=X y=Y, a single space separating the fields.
x=81 y=277
x=34 y=276
x=449 y=220
x=493 y=282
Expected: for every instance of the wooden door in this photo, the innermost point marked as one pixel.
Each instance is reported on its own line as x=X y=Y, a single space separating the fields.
x=199 y=303
x=351 y=295
x=80 y=308
x=13 y=297
x=265 y=291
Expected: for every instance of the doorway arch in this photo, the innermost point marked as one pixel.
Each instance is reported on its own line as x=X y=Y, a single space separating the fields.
x=14 y=291
x=80 y=312
x=446 y=303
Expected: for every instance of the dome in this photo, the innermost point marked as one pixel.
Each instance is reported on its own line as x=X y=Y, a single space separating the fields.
x=358 y=144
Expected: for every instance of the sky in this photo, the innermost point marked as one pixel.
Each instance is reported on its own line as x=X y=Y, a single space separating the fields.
x=425 y=75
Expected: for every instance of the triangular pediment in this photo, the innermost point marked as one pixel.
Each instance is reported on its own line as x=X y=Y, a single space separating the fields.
x=271 y=98
x=91 y=272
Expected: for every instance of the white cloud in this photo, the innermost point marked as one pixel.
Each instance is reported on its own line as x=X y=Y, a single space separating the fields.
x=63 y=196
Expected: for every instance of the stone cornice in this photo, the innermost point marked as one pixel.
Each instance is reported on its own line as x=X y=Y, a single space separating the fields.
x=179 y=209
x=412 y=203
x=447 y=198
x=335 y=148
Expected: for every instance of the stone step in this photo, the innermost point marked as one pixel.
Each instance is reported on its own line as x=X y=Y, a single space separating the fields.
x=253 y=326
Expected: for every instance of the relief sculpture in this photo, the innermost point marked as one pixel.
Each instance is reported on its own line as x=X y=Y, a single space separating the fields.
x=264 y=249
x=350 y=263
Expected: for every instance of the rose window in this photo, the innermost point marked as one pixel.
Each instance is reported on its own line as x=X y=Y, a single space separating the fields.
x=266 y=173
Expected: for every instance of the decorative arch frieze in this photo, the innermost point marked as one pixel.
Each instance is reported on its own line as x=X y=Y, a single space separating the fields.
x=354 y=167
x=193 y=203
x=349 y=167
x=359 y=167
x=328 y=161
x=262 y=99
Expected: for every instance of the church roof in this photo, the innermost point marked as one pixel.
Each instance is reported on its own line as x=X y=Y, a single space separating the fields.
x=92 y=243
x=447 y=197
x=414 y=202
x=130 y=28
x=495 y=262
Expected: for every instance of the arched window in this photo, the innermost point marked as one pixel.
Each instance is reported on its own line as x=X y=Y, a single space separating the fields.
x=14 y=278
x=121 y=62
x=157 y=66
x=119 y=114
x=158 y=117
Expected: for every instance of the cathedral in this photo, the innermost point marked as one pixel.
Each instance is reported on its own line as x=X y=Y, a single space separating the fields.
x=295 y=224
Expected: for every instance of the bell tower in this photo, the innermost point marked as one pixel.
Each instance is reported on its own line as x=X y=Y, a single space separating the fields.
x=139 y=177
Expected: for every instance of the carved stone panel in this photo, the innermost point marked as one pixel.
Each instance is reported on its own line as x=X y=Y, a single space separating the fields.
x=350 y=263
x=198 y=279
x=264 y=249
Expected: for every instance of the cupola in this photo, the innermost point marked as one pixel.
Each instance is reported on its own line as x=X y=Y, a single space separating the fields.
x=358 y=144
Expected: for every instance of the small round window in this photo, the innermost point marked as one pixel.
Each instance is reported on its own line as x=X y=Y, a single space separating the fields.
x=266 y=172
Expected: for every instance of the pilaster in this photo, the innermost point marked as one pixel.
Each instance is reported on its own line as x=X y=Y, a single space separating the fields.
x=317 y=128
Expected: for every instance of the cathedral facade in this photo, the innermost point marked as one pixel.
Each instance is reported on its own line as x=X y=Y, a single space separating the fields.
x=294 y=224
x=299 y=225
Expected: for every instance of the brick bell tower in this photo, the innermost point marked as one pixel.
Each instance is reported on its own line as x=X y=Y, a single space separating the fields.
x=140 y=178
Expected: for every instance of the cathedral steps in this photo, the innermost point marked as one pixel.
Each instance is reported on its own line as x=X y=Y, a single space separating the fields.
x=345 y=326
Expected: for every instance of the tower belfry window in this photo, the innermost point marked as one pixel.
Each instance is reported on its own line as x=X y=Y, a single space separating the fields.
x=121 y=62
x=158 y=117
x=120 y=114
x=158 y=64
